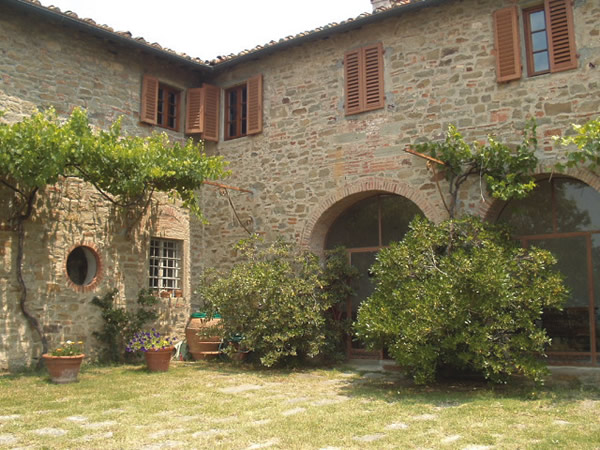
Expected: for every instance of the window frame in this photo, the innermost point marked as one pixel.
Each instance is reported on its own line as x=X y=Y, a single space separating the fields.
x=154 y=94
x=162 y=118
x=159 y=265
x=241 y=114
x=508 y=36
x=529 y=52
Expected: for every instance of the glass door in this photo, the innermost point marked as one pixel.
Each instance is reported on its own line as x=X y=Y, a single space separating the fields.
x=363 y=287
x=571 y=329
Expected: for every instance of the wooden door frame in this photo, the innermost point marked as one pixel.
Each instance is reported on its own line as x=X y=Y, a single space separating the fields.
x=593 y=353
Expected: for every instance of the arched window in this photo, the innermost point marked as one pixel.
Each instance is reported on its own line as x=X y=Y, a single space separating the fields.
x=365 y=228
x=563 y=215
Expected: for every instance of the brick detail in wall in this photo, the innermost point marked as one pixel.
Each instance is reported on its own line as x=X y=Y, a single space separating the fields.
x=323 y=215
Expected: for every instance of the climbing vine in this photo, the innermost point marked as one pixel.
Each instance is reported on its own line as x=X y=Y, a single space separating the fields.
x=506 y=171
x=127 y=170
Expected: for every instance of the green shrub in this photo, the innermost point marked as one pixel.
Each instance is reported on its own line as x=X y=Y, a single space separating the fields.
x=275 y=298
x=338 y=276
x=461 y=294
x=121 y=325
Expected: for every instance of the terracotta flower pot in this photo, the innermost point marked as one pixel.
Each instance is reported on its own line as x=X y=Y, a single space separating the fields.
x=158 y=360
x=200 y=344
x=63 y=369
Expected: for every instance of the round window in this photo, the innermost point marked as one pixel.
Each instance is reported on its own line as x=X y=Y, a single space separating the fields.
x=82 y=265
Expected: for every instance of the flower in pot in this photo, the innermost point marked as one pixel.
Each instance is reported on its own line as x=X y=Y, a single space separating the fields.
x=235 y=348
x=63 y=363
x=157 y=349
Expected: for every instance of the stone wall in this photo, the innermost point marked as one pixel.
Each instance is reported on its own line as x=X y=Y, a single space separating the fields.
x=308 y=165
x=44 y=64
x=312 y=161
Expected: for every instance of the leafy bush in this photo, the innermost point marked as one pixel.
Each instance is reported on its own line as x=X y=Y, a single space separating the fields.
x=121 y=325
x=338 y=276
x=586 y=138
x=275 y=298
x=461 y=294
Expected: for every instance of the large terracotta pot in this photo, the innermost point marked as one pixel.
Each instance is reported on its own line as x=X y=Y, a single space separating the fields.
x=63 y=369
x=159 y=360
x=201 y=345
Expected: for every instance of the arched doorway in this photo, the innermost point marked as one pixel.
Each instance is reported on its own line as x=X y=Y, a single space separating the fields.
x=364 y=228
x=563 y=215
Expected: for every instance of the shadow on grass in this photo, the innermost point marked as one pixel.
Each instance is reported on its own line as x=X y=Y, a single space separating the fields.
x=449 y=391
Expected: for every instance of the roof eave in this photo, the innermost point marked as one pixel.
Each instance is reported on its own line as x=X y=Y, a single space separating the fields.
x=326 y=32
x=109 y=35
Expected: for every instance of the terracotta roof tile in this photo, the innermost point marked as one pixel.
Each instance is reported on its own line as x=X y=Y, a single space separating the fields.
x=220 y=59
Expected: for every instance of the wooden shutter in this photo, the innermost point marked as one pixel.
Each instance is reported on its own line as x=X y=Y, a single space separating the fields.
x=561 y=37
x=210 y=125
x=194 y=110
x=353 y=86
x=373 y=77
x=149 y=108
x=363 y=79
x=255 y=104
x=508 y=48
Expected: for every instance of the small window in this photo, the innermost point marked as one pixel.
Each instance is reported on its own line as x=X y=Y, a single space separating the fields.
x=82 y=265
x=243 y=109
x=536 y=41
x=160 y=104
x=236 y=112
x=165 y=265
x=167 y=107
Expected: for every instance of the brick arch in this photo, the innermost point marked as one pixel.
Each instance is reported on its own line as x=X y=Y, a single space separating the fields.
x=489 y=211
x=324 y=214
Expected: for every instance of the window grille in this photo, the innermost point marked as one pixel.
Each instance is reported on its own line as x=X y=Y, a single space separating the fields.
x=165 y=265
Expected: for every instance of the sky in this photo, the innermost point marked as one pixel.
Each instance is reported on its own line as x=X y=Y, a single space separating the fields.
x=209 y=28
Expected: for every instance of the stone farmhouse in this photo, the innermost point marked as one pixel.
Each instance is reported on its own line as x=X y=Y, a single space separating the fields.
x=315 y=127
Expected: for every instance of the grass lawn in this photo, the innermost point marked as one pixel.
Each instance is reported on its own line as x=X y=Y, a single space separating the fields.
x=216 y=405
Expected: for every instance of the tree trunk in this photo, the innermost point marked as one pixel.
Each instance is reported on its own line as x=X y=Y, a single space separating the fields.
x=33 y=322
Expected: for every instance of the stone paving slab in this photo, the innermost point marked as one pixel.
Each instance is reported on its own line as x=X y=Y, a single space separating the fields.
x=266 y=444
x=396 y=426
x=50 y=432
x=97 y=436
x=370 y=437
x=8 y=439
x=241 y=388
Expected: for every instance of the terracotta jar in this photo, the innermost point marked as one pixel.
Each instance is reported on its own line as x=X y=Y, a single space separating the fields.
x=203 y=335
x=159 y=360
x=63 y=369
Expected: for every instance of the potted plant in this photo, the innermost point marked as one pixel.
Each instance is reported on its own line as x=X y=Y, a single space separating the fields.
x=235 y=348
x=204 y=335
x=64 y=362
x=157 y=349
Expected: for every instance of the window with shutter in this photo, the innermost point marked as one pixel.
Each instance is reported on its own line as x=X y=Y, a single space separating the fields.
x=549 y=39
x=160 y=104
x=363 y=79
x=244 y=109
